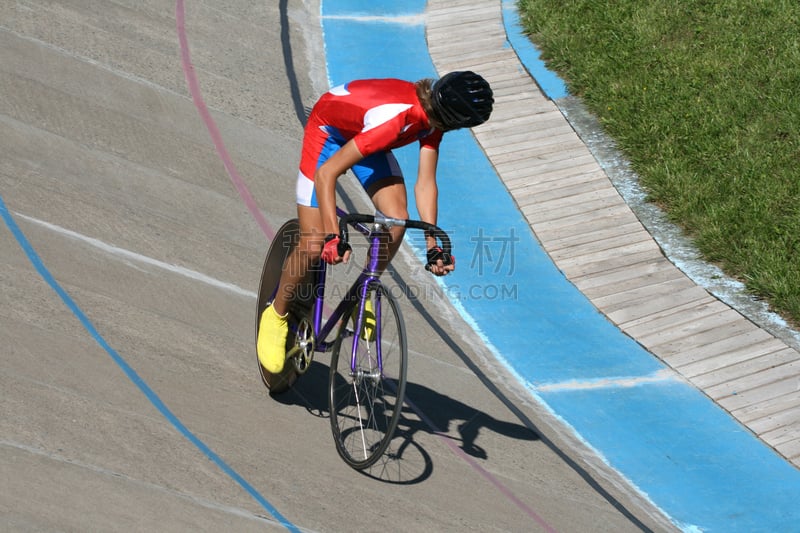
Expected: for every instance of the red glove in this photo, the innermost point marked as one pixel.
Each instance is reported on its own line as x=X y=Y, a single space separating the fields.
x=334 y=249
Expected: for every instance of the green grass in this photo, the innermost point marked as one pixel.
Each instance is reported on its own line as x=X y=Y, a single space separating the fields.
x=703 y=97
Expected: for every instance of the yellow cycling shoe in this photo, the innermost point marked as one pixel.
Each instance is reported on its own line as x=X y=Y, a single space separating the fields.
x=369 y=323
x=271 y=344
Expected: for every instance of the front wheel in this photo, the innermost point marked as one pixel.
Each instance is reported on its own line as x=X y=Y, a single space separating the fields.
x=366 y=397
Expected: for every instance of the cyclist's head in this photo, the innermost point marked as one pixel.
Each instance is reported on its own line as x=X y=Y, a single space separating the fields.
x=461 y=100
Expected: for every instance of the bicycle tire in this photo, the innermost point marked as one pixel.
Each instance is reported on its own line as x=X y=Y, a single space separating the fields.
x=365 y=408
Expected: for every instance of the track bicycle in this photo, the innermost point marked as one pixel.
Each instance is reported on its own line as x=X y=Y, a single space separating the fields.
x=369 y=357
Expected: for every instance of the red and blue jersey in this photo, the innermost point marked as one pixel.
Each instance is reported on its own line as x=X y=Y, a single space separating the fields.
x=377 y=114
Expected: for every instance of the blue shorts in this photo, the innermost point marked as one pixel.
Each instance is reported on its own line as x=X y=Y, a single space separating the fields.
x=371 y=169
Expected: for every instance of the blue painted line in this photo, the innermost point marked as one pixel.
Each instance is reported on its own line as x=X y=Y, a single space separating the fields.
x=37 y=263
x=529 y=55
x=690 y=457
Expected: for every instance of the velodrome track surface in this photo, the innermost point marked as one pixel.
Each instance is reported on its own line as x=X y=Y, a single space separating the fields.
x=130 y=397
x=137 y=210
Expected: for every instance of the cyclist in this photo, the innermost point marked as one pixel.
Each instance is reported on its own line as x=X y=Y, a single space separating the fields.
x=355 y=126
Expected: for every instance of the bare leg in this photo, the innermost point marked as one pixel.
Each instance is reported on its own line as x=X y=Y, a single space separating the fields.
x=390 y=198
x=308 y=250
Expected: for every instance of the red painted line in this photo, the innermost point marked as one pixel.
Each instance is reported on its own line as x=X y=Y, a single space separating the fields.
x=250 y=203
x=505 y=491
x=216 y=137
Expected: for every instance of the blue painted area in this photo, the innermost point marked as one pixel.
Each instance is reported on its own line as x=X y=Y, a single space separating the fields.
x=691 y=458
x=142 y=385
x=529 y=55
x=501 y=265
x=375 y=8
x=354 y=37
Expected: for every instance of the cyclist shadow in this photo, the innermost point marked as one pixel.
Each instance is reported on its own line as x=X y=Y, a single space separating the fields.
x=430 y=412
x=437 y=412
x=424 y=411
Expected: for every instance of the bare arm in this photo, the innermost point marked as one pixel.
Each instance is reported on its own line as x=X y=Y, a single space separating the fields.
x=325 y=183
x=426 y=193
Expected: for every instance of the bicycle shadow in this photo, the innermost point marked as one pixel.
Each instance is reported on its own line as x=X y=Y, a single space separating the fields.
x=424 y=411
x=437 y=412
x=309 y=391
x=401 y=464
x=430 y=412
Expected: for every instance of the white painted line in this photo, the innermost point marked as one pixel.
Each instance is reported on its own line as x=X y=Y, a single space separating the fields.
x=133 y=256
x=117 y=476
x=663 y=375
x=88 y=60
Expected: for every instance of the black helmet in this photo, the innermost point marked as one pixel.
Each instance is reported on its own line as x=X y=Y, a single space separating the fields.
x=461 y=100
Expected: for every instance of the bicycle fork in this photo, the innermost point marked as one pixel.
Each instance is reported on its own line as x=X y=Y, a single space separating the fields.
x=373 y=372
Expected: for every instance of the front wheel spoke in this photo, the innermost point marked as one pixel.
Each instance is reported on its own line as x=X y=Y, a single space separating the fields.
x=360 y=420
x=374 y=393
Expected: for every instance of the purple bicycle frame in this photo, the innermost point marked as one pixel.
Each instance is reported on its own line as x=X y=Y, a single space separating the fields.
x=365 y=224
x=360 y=286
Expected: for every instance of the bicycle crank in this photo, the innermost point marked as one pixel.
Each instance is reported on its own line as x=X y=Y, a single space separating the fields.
x=303 y=351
